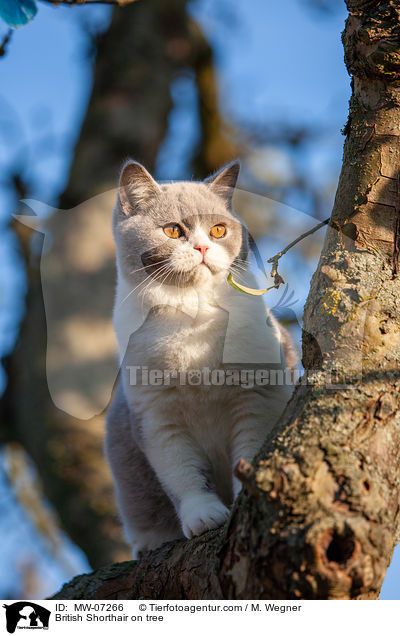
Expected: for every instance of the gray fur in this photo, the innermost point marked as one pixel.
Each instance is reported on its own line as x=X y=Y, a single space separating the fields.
x=172 y=448
x=139 y=493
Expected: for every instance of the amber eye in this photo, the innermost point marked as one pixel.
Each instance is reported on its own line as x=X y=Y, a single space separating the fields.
x=172 y=231
x=218 y=231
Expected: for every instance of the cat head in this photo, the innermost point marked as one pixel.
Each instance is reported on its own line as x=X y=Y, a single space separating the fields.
x=183 y=233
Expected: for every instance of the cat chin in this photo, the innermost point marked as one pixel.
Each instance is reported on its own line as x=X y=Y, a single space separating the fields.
x=202 y=273
x=198 y=276
x=205 y=276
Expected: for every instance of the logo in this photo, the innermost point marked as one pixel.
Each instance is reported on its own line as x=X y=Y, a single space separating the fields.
x=26 y=615
x=87 y=290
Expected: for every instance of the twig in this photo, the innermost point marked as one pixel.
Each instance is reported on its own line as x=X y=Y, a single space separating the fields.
x=119 y=3
x=246 y=474
x=243 y=471
x=4 y=42
x=278 y=280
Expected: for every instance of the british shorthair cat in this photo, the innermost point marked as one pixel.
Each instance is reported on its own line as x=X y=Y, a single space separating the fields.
x=194 y=395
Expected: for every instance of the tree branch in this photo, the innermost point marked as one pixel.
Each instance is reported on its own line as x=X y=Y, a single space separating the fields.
x=5 y=41
x=275 y=259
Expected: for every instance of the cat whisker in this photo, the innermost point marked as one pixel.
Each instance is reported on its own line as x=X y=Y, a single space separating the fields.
x=141 y=283
x=241 y=261
x=145 y=267
x=155 y=279
x=238 y=273
x=166 y=276
x=236 y=266
x=145 y=289
x=244 y=269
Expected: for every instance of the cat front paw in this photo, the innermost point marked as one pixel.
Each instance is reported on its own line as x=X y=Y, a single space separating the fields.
x=200 y=513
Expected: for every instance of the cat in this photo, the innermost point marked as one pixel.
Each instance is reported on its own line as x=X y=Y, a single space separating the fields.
x=173 y=445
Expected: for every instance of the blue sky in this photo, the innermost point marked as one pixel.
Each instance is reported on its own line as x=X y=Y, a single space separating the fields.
x=277 y=62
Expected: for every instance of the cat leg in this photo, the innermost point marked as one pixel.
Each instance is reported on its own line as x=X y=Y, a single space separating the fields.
x=253 y=421
x=247 y=436
x=181 y=467
x=247 y=439
x=148 y=516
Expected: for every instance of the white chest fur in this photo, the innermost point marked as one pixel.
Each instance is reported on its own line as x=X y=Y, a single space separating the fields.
x=197 y=326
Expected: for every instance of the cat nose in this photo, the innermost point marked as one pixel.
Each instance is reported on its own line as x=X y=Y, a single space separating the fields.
x=202 y=249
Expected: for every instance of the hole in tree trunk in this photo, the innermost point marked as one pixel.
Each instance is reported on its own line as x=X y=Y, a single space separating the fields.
x=340 y=549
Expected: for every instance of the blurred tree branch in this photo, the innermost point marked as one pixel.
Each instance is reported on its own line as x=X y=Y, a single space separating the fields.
x=5 y=41
x=145 y=48
x=319 y=515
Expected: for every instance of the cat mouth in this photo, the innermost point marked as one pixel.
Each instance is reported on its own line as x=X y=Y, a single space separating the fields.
x=173 y=275
x=203 y=264
x=189 y=276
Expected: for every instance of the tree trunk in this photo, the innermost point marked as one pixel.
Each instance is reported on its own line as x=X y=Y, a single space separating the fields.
x=147 y=44
x=319 y=515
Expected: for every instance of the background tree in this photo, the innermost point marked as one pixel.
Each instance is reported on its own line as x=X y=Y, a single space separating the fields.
x=319 y=514
x=139 y=56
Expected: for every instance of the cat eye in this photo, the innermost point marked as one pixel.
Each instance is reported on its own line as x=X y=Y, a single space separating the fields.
x=218 y=231
x=172 y=231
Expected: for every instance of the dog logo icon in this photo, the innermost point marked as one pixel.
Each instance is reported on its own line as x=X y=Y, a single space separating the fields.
x=26 y=615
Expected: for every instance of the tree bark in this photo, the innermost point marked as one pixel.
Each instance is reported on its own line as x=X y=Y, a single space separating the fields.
x=319 y=514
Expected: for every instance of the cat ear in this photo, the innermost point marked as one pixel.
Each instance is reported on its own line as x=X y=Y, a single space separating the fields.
x=136 y=185
x=224 y=181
